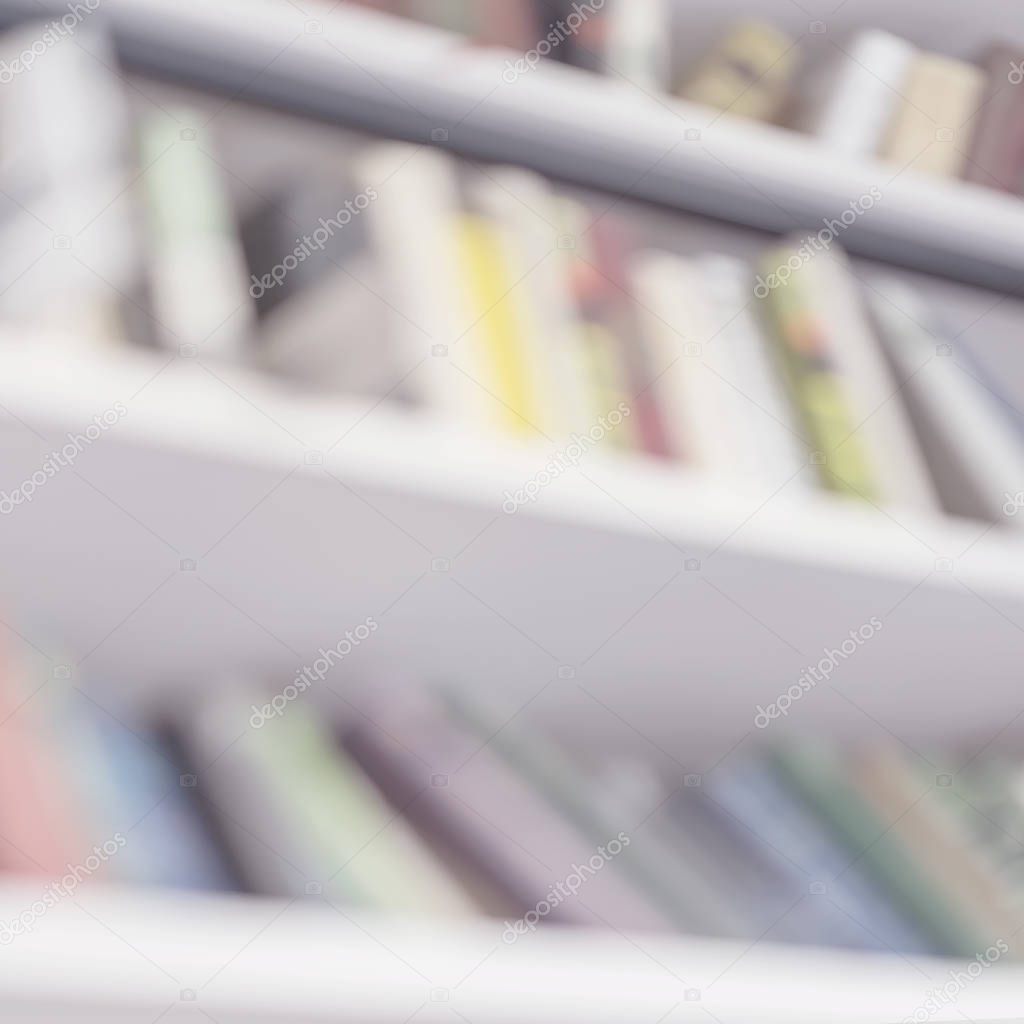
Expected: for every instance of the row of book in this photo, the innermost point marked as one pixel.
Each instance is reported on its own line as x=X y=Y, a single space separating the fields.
x=871 y=95
x=505 y=304
x=552 y=313
x=450 y=806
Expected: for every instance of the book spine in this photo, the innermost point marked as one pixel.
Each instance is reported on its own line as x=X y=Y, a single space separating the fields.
x=852 y=103
x=816 y=385
x=198 y=275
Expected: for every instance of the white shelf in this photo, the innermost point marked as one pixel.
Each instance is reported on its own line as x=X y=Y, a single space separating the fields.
x=128 y=956
x=210 y=464
x=393 y=76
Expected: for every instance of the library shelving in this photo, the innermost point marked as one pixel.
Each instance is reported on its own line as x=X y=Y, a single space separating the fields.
x=263 y=522
x=347 y=65
x=228 y=525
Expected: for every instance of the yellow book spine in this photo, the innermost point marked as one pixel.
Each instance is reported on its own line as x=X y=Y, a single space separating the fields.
x=498 y=329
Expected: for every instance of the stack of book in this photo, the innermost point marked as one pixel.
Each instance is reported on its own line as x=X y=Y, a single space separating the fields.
x=447 y=805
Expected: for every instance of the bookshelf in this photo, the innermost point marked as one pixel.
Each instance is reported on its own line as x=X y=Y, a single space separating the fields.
x=264 y=523
x=357 y=967
x=354 y=67
x=399 y=501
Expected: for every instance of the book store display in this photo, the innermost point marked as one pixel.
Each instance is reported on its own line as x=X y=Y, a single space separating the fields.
x=601 y=473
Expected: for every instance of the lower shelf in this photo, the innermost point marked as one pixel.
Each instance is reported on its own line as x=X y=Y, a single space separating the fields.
x=120 y=955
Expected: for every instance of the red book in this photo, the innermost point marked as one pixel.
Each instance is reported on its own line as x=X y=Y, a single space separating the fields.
x=612 y=248
x=996 y=154
x=39 y=832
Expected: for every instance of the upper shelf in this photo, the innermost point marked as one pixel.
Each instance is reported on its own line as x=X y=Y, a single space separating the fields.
x=223 y=524
x=399 y=78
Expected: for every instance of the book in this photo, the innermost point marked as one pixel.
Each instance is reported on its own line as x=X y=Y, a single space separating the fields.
x=509 y=23
x=930 y=130
x=747 y=73
x=616 y=307
x=796 y=317
x=649 y=859
x=855 y=911
x=198 y=277
x=454 y=787
x=975 y=453
x=637 y=43
x=66 y=120
x=630 y=784
x=42 y=830
x=940 y=848
x=818 y=777
x=222 y=755
x=693 y=399
x=364 y=849
x=881 y=423
x=430 y=306
x=497 y=331
x=525 y=210
x=851 y=100
x=769 y=446
x=995 y=156
x=138 y=786
x=605 y=368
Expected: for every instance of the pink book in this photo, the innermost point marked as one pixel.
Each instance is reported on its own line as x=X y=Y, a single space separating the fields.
x=39 y=830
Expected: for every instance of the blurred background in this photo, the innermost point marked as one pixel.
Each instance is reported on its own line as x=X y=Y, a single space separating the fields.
x=510 y=511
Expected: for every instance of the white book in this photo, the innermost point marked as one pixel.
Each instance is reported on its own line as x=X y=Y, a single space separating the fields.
x=637 y=48
x=414 y=229
x=930 y=130
x=852 y=100
x=71 y=253
x=880 y=416
x=981 y=454
x=694 y=400
x=523 y=206
x=199 y=278
x=770 y=444
x=217 y=737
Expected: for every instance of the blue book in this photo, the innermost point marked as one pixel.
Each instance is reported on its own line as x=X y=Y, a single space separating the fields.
x=863 y=917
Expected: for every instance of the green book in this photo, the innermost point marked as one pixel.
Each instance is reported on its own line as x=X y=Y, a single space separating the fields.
x=796 y=324
x=819 y=779
x=369 y=853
